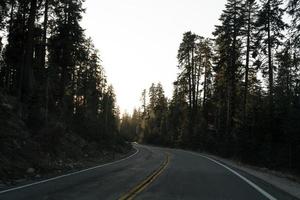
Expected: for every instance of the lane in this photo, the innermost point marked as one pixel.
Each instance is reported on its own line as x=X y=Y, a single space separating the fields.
x=107 y=182
x=185 y=175
x=146 y=182
x=191 y=176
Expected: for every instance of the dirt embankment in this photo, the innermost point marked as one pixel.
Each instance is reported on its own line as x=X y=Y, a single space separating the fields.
x=53 y=151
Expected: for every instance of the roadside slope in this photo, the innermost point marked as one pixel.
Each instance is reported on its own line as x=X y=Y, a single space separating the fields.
x=53 y=150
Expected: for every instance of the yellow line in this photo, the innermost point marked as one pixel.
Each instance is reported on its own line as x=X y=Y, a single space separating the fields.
x=145 y=183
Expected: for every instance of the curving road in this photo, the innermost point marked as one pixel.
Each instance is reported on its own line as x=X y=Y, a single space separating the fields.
x=151 y=173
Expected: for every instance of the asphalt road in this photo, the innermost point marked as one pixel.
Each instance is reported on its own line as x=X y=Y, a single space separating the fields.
x=177 y=174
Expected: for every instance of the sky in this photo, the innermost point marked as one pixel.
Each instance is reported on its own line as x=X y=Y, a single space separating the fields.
x=138 y=40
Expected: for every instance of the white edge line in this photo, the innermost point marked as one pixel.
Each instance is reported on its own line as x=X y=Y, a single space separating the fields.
x=70 y=174
x=262 y=191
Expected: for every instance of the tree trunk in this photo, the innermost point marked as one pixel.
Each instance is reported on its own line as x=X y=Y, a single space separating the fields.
x=247 y=65
x=28 y=80
x=45 y=24
x=190 y=83
x=198 y=94
x=232 y=82
x=270 y=65
x=193 y=82
x=7 y=70
x=205 y=90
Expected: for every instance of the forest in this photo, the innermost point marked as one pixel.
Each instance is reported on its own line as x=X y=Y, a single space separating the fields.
x=55 y=102
x=237 y=94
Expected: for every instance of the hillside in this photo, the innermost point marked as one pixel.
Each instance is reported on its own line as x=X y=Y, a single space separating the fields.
x=54 y=150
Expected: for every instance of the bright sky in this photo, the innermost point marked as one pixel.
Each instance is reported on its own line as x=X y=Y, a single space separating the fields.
x=138 y=40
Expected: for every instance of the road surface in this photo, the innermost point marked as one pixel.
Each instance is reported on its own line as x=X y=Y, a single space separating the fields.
x=151 y=173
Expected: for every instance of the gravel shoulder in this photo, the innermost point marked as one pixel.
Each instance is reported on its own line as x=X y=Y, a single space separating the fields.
x=284 y=181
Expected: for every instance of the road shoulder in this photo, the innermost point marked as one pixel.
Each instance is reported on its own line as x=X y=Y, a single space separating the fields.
x=86 y=166
x=281 y=182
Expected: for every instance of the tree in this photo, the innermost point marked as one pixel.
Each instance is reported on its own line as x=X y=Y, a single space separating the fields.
x=294 y=10
x=207 y=82
x=286 y=106
x=27 y=77
x=178 y=117
x=3 y=13
x=229 y=47
x=270 y=26
x=14 y=51
x=259 y=128
x=54 y=68
x=186 y=63
x=64 y=49
x=251 y=9
x=155 y=123
x=190 y=66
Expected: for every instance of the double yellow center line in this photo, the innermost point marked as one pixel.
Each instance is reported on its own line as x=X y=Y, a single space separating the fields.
x=145 y=183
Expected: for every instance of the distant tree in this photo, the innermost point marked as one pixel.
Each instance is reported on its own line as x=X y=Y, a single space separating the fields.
x=178 y=117
x=155 y=123
x=126 y=128
x=144 y=102
x=186 y=59
x=190 y=66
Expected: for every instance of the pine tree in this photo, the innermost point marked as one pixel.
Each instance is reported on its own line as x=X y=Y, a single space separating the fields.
x=207 y=82
x=271 y=26
x=190 y=72
x=294 y=11
x=3 y=13
x=178 y=117
x=251 y=10
x=229 y=47
x=15 y=49
x=64 y=49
